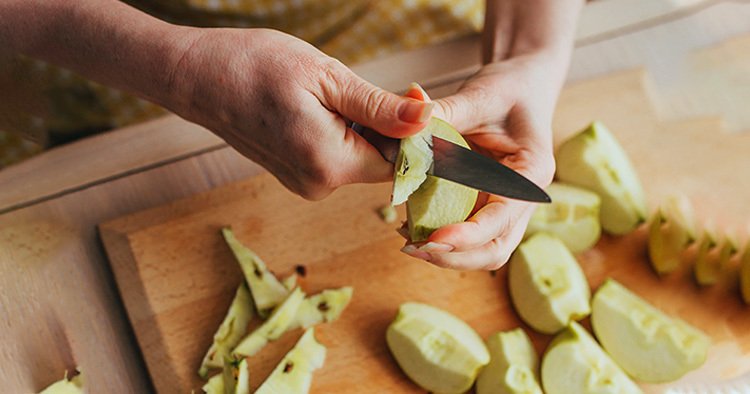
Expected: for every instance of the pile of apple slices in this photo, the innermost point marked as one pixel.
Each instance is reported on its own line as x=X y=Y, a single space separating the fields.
x=285 y=307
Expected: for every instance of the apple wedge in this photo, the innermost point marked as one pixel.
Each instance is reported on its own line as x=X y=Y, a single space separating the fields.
x=745 y=275
x=293 y=375
x=277 y=324
x=575 y=364
x=547 y=286
x=214 y=385
x=66 y=385
x=713 y=256
x=594 y=160
x=325 y=306
x=436 y=350
x=265 y=288
x=235 y=378
x=230 y=332
x=649 y=345
x=572 y=216
x=672 y=229
x=513 y=365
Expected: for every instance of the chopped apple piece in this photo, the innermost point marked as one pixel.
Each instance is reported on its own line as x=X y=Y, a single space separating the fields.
x=67 y=385
x=235 y=377
x=547 y=286
x=575 y=364
x=745 y=275
x=388 y=213
x=214 y=385
x=713 y=257
x=265 y=288
x=436 y=350
x=230 y=332
x=572 y=216
x=272 y=328
x=412 y=163
x=293 y=375
x=671 y=231
x=325 y=306
x=290 y=282
x=593 y=159
x=649 y=345
x=513 y=365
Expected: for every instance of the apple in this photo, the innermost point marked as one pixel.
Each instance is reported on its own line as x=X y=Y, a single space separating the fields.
x=745 y=275
x=265 y=288
x=235 y=377
x=272 y=328
x=547 y=286
x=436 y=350
x=325 y=306
x=513 y=365
x=713 y=256
x=66 y=385
x=594 y=160
x=649 y=345
x=572 y=216
x=230 y=332
x=295 y=371
x=672 y=229
x=575 y=364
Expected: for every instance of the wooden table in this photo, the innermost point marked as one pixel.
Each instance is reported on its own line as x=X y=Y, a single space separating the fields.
x=59 y=306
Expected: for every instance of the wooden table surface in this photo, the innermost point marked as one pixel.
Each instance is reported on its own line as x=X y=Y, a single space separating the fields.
x=59 y=306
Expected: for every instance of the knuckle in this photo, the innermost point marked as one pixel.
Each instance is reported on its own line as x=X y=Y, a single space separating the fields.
x=376 y=104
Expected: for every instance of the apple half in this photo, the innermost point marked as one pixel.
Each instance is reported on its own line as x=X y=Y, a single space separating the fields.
x=649 y=345
x=575 y=364
x=594 y=160
x=513 y=365
x=547 y=286
x=436 y=350
x=672 y=229
x=276 y=325
x=572 y=216
x=293 y=375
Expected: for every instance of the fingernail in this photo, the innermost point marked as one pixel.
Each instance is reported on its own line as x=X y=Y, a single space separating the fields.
x=436 y=247
x=415 y=112
x=412 y=251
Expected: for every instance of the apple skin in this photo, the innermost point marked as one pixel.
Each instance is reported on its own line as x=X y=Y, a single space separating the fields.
x=547 y=286
x=513 y=365
x=672 y=229
x=594 y=160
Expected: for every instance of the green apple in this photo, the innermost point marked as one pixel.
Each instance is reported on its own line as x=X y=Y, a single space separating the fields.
x=214 y=385
x=513 y=365
x=293 y=375
x=671 y=230
x=649 y=345
x=572 y=216
x=325 y=306
x=274 y=327
x=547 y=286
x=434 y=202
x=235 y=377
x=745 y=275
x=66 y=385
x=230 y=332
x=713 y=256
x=575 y=364
x=593 y=159
x=265 y=288
x=436 y=350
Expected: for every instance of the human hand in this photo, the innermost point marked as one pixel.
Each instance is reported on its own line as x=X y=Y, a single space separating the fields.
x=505 y=112
x=284 y=104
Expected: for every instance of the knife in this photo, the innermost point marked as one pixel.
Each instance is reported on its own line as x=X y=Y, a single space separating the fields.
x=458 y=164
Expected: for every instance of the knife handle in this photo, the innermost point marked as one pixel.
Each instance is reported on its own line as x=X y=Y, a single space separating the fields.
x=387 y=146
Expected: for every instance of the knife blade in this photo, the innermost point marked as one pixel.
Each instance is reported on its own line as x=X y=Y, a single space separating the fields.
x=458 y=164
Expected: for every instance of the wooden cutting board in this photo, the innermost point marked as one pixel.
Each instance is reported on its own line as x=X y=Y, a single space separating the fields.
x=176 y=275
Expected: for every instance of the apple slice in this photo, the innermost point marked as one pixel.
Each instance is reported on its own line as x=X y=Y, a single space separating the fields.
x=713 y=256
x=513 y=365
x=230 y=332
x=325 y=306
x=66 y=385
x=745 y=275
x=266 y=289
x=547 y=286
x=214 y=385
x=575 y=364
x=293 y=375
x=272 y=328
x=290 y=282
x=671 y=230
x=593 y=159
x=646 y=343
x=572 y=216
x=236 y=377
x=412 y=163
x=436 y=350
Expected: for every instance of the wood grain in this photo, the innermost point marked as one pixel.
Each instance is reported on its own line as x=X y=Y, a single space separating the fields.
x=177 y=277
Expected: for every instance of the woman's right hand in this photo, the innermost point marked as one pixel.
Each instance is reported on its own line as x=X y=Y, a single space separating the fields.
x=284 y=104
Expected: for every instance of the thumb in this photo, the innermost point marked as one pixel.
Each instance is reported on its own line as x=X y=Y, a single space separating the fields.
x=460 y=110
x=385 y=112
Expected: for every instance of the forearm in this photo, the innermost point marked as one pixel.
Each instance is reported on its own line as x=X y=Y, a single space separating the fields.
x=104 y=40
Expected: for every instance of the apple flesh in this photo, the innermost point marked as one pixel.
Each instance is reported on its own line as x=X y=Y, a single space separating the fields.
x=547 y=286
x=713 y=257
x=230 y=332
x=325 y=306
x=235 y=377
x=436 y=350
x=214 y=385
x=594 y=160
x=649 y=345
x=575 y=364
x=671 y=230
x=572 y=216
x=66 y=385
x=513 y=365
x=281 y=318
x=294 y=373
